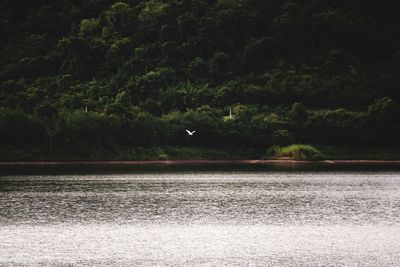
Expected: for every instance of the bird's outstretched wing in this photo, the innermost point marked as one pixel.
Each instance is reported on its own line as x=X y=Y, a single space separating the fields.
x=188 y=131
x=193 y=132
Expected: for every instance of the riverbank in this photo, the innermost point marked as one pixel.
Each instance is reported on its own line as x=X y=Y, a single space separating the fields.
x=200 y=162
x=168 y=154
x=166 y=166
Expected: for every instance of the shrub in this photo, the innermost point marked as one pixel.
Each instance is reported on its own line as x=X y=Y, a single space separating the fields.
x=297 y=152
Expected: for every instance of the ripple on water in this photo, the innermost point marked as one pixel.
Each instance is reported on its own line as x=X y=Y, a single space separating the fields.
x=206 y=219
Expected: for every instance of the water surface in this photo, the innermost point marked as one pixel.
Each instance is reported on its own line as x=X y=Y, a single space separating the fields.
x=201 y=219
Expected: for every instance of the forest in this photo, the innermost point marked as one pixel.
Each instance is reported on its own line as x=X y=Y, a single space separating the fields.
x=116 y=79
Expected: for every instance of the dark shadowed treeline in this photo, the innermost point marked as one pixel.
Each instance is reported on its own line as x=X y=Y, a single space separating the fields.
x=106 y=74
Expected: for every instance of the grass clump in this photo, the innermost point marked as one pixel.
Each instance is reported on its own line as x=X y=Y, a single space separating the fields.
x=297 y=152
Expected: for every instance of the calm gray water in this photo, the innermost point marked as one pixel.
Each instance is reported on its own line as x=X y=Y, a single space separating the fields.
x=201 y=219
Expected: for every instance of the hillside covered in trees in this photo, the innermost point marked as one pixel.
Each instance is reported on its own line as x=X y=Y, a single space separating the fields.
x=83 y=79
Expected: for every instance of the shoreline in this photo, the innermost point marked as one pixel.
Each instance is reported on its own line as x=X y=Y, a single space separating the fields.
x=197 y=162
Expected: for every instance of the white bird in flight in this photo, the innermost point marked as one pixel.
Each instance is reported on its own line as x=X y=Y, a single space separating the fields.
x=190 y=132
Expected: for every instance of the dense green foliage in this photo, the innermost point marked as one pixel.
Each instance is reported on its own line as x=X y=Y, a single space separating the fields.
x=297 y=152
x=100 y=75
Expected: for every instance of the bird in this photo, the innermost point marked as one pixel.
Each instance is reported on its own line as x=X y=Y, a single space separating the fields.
x=190 y=132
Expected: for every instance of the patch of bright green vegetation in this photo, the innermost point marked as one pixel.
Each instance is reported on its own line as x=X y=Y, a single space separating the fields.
x=297 y=152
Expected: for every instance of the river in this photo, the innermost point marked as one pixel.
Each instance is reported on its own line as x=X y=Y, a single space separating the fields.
x=243 y=218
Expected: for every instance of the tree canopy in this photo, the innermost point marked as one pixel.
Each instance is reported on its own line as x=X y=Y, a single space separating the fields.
x=319 y=71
